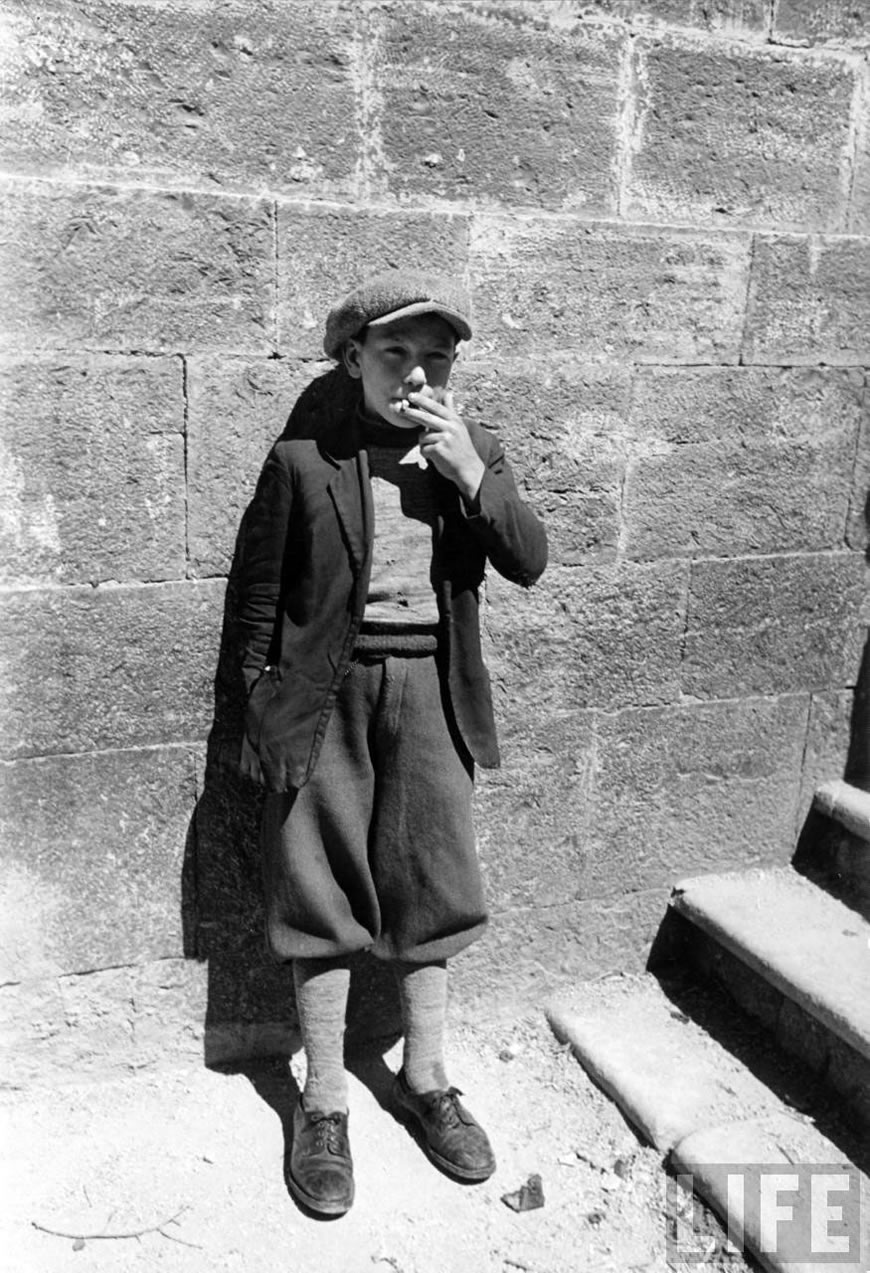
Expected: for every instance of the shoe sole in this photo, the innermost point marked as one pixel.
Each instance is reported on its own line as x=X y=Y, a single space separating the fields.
x=317 y=1204
x=468 y=1174
x=462 y=1173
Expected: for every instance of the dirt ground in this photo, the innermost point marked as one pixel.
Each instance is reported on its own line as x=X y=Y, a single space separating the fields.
x=192 y=1160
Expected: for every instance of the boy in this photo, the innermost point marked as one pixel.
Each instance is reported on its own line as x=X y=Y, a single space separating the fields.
x=369 y=702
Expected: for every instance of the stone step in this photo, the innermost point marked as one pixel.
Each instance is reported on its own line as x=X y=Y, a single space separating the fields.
x=835 y=851
x=792 y=956
x=702 y=1084
x=847 y=805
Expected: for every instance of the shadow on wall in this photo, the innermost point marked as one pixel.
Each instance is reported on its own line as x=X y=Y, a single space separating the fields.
x=250 y=1010
x=826 y=852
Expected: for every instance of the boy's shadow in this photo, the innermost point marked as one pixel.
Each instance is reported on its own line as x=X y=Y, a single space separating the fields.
x=251 y=1025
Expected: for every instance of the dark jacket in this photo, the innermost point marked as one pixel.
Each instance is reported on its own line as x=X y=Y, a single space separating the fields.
x=304 y=571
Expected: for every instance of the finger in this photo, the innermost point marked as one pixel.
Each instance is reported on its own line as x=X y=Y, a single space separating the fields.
x=432 y=405
x=425 y=418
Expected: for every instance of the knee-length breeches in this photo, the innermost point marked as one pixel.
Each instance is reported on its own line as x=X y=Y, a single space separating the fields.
x=377 y=850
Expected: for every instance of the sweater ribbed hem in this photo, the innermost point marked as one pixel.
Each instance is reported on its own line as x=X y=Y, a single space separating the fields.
x=393 y=640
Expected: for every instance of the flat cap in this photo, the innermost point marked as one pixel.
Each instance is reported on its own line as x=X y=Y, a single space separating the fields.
x=393 y=295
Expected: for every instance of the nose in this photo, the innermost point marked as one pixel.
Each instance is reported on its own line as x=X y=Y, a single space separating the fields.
x=415 y=378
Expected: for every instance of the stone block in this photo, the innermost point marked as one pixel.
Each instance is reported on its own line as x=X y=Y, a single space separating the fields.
x=607 y=636
x=563 y=431
x=749 y=460
x=133 y=270
x=324 y=253
x=237 y=408
x=809 y=301
x=802 y=1035
x=747 y=988
x=110 y=667
x=492 y=107
x=730 y=135
x=552 y=290
x=248 y=95
x=849 y=1074
x=827 y=747
x=666 y=1073
x=811 y=22
x=694 y=788
x=528 y=954
x=225 y=834
x=775 y=625
x=859 y=216
x=93 y=848
x=722 y=16
x=532 y=815
x=93 y=469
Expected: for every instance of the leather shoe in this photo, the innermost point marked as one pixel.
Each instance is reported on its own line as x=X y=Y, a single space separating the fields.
x=453 y=1139
x=321 y=1167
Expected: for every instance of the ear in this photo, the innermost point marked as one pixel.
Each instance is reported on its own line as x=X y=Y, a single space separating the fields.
x=350 y=358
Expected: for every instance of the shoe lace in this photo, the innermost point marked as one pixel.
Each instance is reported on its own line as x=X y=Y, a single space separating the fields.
x=446 y=1107
x=328 y=1132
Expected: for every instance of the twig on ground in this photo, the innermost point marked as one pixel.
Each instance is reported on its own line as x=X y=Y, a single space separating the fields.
x=133 y=1233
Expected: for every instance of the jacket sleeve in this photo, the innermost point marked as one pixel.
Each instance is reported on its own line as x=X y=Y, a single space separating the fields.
x=512 y=536
x=260 y=565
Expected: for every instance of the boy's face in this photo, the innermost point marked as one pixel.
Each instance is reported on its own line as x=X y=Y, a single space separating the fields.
x=399 y=358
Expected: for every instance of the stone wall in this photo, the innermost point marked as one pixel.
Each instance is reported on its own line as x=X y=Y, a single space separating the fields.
x=663 y=208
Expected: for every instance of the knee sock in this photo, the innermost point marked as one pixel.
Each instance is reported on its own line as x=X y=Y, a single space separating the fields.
x=423 y=996
x=321 y=1000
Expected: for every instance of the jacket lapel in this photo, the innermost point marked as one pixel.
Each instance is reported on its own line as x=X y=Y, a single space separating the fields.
x=349 y=487
x=350 y=491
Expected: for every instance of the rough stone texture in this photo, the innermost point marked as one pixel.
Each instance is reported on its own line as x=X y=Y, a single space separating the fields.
x=112 y=667
x=859 y=221
x=548 y=949
x=532 y=815
x=815 y=21
x=103 y=268
x=828 y=735
x=164 y=94
x=495 y=111
x=563 y=428
x=699 y=787
x=706 y=149
x=858 y=522
x=772 y=625
x=126 y=416
x=135 y=1018
x=225 y=844
x=753 y=994
x=236 y=410
x=741 y=461
x=92 y=853
x=809 y=301
x=725 y=16
x=553 y=289
x=611 y=635
x=325 y=252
